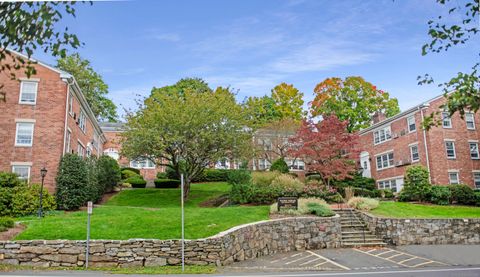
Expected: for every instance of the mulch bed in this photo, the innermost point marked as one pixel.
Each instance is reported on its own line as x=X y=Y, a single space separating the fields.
x=12 y=232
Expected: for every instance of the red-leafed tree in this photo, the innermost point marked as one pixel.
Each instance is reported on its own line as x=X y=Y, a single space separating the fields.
x=327 y=148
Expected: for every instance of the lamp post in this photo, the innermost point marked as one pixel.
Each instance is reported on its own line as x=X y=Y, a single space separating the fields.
x=43 y=173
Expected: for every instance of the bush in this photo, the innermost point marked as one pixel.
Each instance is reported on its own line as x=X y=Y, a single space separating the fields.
x=127 y=173
x=108 y=172
x=363 y=203
x=320 y=210
x=167 y=183
x=279 y=165
x=477 y=198
x=334 y=198
x=357 y=181
x=162 y=175
x=136 y=182
x=242 y=193
x=72 y=182
x=313 y=177
x=263 y=178
x=94 y=189
x=367 y=193
x=440 y=195
x=462 y=194
x=287 y=185
x=416 y=187
x=136 y=170
x=317 y=206
x=25 y=200
x=6 y=223
x=9 y=180
x=387 y=193
x=213 y=175
x=239 y=177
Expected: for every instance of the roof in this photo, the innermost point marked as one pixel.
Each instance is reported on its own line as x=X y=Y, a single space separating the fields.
x=399 y=115
x=112 y=126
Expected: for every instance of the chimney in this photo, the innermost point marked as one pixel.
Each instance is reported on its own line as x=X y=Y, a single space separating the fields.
x=378 y=117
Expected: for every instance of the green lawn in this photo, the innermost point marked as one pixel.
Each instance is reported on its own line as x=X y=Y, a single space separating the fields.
x=410 y=210
x=146 y=213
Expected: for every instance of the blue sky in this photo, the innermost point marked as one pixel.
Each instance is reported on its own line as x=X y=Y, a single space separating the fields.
x=252 y=45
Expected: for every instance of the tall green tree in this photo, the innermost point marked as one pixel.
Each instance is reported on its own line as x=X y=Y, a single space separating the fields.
x=288 y=101
x=29 y=26
x=459 y=27
x=92 y=85
x=352 y=99
x=261 y=110
x=187 y=130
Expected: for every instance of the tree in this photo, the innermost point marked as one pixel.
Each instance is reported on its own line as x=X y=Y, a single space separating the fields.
x=72 y=182
x=288 y=101
x=352 y=99
x=28 y=26
x=189 y=129
x=417 y=186
x=459 y=27
x=108 y=172
x=272 y=140
x=261 y=110
x=279 y=165
x=92 y=86
x=327 y=148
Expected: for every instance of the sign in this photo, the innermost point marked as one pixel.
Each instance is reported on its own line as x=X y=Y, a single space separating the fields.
x=89 y=207
x=287 y=202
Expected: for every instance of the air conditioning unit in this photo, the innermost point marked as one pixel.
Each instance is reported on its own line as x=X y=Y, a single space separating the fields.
x=403 y=132
x=395 y=136
x=74 y=116
x=402 y=162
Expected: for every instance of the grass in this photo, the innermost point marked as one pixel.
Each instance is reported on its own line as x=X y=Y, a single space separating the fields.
x=148 y=214
x=189 y=269
x=411 y=210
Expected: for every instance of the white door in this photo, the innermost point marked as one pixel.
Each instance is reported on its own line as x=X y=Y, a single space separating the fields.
x=399 y=183
x=365 y=164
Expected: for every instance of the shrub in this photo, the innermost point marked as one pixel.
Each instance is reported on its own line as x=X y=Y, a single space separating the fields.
x=127 y=173
x=477 y=198
x=334 y=198
x=239 y=177
x=387 y=193
x=213 y=175
x=287 y=185
x=263 y=178
x=349 y=193
x=416 y=185
x=136 y=182
x=166 y=183
x=314 y=189
x=136 y=170
x=363 y=203
x=108 y=172
x=366 y=193
x=320 y=210
x=25 y=200
x=6 y=223
x=162 y=175
x=462 y=194
x=72 y=183
x=357 y=181
x=314 y=177
x=242 y=193
x=94 y=188
x=279 y=165
x=440 y=195
x=9 y=180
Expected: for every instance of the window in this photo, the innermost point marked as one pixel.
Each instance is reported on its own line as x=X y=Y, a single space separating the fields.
x=414 y=153
x=89 y=151
x=70 y=104
x=263 y=164
x=382 y=135
x=24 y=135
x=450 y=147
x=23 y=171
x=80 y=150
x=470 y=119
x=476 y=179
x=446 y=120
x=388 y=184
x=266 y=144
x=142 y=163
x=67 y=141
x=474 y=150
x=28 y=92
x=113 y=153
x=453 y=178
x=411 y=124
x=296 y=164
x=82 y=121
x=385 y=161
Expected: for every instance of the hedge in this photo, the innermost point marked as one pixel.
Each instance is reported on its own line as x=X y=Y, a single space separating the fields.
x=136 y=182
x=6 y=223
x=136 y=170
x=167 y=183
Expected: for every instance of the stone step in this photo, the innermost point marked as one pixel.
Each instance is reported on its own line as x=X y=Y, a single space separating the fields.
x=353 y=225
x=353 y=232
x=369 y=240
x=367 y=235
x=363 y=244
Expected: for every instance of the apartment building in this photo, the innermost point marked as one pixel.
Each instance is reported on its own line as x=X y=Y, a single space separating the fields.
x=449 y=151
x=43 y=117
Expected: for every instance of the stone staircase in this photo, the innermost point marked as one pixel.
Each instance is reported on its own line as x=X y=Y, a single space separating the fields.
x=355 y=232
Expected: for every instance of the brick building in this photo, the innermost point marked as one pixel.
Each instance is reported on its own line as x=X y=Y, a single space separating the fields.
x=42 y=118
x=449 y=151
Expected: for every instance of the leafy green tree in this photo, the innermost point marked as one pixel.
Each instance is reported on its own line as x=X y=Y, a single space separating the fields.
x=417 y=186
x=29 y=26
x=352 y=99
x=108 y=172
x=279 y=165
x=189 y=129
x=72 y=181
x=460 y=26
x=288 y=101
x=92 y=85
x=261 y=110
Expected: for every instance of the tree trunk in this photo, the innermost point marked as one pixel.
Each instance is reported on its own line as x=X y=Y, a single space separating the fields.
x=186 y=188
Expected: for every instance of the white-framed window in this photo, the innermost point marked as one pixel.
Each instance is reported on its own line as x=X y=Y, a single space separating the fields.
x=28 y=92
x=470 y=120
x=80 y=150
x=223 y=164
x=68 y=144
x=474 y=150
x=382 y=135
x=142 y=163
x=89 y=151
x=24 y=134
x=414 y=153
x=385 y=161
x=112 y=152
x=23 y=172
x=412 y=127
x=263 y=164
x=295 y=164
x=70 y=104
x=476 y=179
x=453 y=178
x=450 y=149
x=394 y=184
x=446 y=120
x=82 y=121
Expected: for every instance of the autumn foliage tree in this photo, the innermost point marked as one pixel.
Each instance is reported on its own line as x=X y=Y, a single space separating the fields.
x=327 y=148
x=352 y=99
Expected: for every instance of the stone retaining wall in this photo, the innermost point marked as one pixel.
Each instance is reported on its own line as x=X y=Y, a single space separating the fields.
x=237 y=244
x=425 y=231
